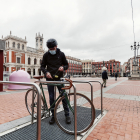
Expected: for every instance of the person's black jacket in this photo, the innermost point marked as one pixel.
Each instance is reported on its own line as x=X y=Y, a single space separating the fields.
x=53 y=62
x=104 y=75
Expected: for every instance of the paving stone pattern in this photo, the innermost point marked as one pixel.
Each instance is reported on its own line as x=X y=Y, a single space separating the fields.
x=122 y=122
x=121 y=99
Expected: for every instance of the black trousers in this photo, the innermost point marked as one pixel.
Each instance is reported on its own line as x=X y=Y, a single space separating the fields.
x=51 y=99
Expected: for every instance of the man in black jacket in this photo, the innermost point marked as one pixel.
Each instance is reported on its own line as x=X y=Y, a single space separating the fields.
x=104 y=77
x=56 y=63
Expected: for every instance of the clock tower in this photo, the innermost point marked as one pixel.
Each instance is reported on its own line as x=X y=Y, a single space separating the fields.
x=39 y=41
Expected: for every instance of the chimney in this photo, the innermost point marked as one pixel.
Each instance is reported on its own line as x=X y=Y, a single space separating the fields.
x=10 y=32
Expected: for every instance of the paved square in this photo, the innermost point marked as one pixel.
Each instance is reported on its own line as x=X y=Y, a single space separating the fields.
x=121 y=99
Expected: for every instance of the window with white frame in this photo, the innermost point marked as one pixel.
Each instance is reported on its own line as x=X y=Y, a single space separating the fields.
x=18 y=59
x=13 y=44
x=22 y=47
x=18 y=46
x=4 y=59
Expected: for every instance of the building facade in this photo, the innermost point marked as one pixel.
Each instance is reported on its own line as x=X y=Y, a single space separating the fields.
x=87 y=67
x=75 y=66
x=129 y=66
x=112 y=66
x=18 y=56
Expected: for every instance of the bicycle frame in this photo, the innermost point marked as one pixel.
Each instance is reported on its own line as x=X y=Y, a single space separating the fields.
x=61 y=94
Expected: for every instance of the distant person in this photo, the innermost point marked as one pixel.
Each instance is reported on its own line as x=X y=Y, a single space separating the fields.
x=116 y=75
x=104 y=77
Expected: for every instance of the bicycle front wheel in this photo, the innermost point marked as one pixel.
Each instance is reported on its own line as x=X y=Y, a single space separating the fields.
x=85 y=113
x=29 y=105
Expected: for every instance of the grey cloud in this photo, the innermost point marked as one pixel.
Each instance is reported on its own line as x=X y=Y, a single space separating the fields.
x=99 y=30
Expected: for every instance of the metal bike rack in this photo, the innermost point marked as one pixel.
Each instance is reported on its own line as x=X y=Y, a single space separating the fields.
x=92 y=92
x=75 y=109
x=101 y=96
x=36 y=87
x=38 y=102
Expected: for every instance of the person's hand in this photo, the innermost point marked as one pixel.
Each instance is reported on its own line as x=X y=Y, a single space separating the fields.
x=48 y=75
x=61 y=68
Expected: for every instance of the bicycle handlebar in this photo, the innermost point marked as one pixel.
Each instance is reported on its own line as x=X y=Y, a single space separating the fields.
x=68 y=87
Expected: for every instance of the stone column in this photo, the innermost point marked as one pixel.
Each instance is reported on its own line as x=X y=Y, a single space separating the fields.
x=10 y=56
x=10 y=69
x=32 y=72
x=36 y=71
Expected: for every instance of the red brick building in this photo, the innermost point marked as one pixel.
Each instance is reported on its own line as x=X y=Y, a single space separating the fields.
x=75 y=66
x=111 y=65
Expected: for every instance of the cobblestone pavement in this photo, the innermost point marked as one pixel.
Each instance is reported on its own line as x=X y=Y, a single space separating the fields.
x=122 y=122
x=120 y=98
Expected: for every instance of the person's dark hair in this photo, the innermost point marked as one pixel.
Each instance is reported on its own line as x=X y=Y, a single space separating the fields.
x=51 y=43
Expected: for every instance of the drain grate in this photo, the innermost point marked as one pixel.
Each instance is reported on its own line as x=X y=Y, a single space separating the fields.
x=49 y=132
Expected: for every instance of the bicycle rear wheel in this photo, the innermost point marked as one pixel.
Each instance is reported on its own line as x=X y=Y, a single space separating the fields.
x=28 y=102
x=85 y=113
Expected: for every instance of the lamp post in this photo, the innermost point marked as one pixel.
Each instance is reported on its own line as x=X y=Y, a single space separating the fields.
x=135 y=48
x=135 y=64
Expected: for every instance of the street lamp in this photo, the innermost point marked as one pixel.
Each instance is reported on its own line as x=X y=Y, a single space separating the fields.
x=135 y=48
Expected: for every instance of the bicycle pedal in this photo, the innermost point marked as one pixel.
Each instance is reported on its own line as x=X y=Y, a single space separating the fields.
x=46 y=114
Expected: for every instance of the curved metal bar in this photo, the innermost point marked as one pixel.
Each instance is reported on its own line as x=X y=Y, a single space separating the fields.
x=75 y=113
x=101 y=96
x=75 y=109
x=92 y=92
x=90 y=85
x=38 y=103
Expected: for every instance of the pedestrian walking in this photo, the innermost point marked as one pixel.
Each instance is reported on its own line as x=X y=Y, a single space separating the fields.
x=104 y=77
x=116 y=75
x=56 y=62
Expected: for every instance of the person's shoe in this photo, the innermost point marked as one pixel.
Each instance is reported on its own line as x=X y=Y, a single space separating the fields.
x=52 y=121
x=68 y=121
x=104 y=86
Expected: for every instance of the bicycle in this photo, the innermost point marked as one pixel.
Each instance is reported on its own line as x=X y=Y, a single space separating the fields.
x=85 y=108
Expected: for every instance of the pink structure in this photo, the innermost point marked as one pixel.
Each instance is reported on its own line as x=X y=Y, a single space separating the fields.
x=19 y=76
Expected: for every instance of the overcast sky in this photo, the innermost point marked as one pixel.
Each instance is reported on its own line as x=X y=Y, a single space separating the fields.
x=85 y=29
